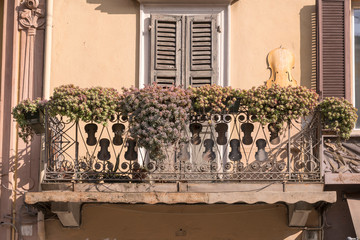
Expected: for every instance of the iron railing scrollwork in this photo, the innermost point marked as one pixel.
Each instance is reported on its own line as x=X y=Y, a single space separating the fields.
x=216 y=148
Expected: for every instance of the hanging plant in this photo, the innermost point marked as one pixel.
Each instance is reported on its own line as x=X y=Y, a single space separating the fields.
x=339 y=115
x=277 y=104
x=216 y=99
x=157 y=116
x=29 y=116
x=94 y=104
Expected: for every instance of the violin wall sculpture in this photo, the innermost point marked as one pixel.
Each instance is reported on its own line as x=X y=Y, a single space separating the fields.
x=281 y=61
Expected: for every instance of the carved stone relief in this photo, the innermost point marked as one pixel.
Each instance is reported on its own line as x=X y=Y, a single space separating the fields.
x=31 y=18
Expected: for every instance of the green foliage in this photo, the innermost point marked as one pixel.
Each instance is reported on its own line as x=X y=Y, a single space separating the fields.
x=338 y=115
x=280 y=104
x=156 y=116
x=22 y=111
x=214 y=98
x=94 y=104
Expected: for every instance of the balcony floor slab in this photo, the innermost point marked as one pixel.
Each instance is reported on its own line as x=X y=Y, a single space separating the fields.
x=189 y=193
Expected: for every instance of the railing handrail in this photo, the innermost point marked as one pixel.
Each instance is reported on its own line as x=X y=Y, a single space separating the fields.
x=232 y=147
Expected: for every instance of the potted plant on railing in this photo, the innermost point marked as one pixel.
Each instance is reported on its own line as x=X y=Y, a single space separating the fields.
x=216 y=99
x=156 y=116
x=139 y=173
x=29 y=114
x=94 y=104
x=277 y=105
x=338 y=116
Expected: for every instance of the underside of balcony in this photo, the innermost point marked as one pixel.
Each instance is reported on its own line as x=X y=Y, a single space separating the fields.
x=189 y=193
x=222 y=159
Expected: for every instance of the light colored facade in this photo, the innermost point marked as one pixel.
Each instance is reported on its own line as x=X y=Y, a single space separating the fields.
x=107 y=43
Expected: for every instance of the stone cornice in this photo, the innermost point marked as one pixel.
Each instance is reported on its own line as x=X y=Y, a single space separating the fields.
x=185 y=1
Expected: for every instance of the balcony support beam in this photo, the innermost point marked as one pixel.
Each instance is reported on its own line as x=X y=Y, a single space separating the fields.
x=68 y=213
x=180 y=197
x=299 y=213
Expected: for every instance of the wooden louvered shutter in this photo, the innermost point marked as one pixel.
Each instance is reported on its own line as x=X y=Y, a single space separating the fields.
x=201 y=55
x=165 y=50
x=334 y=48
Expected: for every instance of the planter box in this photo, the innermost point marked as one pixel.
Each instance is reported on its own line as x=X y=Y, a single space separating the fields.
x=36 y=121
x=233 y=108
x=327 y=132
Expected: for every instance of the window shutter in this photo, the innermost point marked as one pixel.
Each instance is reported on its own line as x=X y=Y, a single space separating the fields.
x=165 y=50
x=201 y=56
x=334 y=48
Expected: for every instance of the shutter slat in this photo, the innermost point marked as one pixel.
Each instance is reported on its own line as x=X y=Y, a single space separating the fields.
x=165 y=39
x=168 y=49
x=166 y=57
x=166 y=53
x=200 y=81
x=200 y=35
x=167 y=44
x=165 y=24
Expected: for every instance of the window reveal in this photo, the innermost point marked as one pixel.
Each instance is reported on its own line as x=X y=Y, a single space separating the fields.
x=184 y=50
x=356 y=84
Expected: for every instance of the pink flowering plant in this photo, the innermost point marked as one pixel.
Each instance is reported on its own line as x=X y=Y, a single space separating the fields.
x=94 y=104
x=339 y=115
x=277 y=104
x=157 y=116
x=23 y=112
x=214 y=99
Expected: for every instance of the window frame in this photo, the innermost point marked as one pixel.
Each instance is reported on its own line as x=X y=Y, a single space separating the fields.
x=354 y=5
x=223 y=14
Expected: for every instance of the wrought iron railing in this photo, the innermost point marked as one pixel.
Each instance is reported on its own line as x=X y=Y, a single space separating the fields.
x=341 y=156
x=217 y=148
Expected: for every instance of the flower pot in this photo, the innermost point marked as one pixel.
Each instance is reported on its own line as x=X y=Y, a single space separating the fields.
x=234 y=108
x=112 y=178
x=328 y=132
x=139 y=174
x=199 y=109
x=92 y=177
x=36 y=121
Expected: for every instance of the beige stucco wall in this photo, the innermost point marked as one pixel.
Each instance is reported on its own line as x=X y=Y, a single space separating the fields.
x=258 y=26
x=96 y=42
x=161 y=222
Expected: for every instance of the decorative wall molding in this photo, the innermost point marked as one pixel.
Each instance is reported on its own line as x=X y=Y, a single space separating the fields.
x=31 y=18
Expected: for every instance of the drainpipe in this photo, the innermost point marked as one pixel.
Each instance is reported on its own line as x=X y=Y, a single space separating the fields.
x=46 y=93
x=47 y=48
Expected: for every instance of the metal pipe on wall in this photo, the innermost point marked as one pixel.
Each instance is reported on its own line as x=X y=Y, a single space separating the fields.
x=47 y=49
x=46 y=90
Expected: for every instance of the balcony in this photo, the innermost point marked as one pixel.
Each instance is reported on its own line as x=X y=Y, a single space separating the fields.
x=223 y=158
x=215 y=148
x=223 y=154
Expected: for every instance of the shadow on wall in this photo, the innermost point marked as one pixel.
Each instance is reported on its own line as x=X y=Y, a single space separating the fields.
x=116 y=6
x=159 y=222
x=308 y=46
x=130 y=7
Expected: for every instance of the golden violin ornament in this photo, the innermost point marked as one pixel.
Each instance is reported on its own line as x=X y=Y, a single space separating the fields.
x=281 y=61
